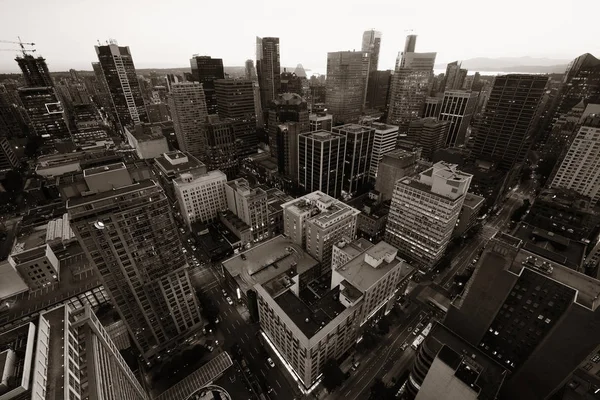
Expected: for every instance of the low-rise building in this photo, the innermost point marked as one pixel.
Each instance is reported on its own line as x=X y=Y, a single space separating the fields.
x=320 y=121
x=373 y=215
x=201 y=196
x=171 y=165
x=147 y=140
x=250 y=205
x=346 y=250
x=469 y=213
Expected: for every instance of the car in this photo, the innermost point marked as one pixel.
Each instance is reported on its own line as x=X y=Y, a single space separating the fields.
x=184 y=250
x=404 y=346
x=355 y=366
x=224 y=292
x=229 y=300
x=271 y=363
x=409 y=328
x=210 y=348
x=217 y=320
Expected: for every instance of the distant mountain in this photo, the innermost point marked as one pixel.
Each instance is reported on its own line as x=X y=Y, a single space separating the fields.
x=514 y=64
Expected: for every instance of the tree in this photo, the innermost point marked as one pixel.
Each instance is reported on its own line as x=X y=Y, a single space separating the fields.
x=32 y=147
x=332 y=375
x=383 y=326
x=521 y=211
x=379 y=391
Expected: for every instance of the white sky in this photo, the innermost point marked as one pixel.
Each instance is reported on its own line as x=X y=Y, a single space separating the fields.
x=166 y=33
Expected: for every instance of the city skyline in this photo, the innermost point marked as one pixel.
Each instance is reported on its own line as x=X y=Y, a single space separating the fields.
x=154 y=33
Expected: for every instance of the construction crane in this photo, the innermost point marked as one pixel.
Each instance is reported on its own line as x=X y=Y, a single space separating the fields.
x=21 y=45
x=22 y=50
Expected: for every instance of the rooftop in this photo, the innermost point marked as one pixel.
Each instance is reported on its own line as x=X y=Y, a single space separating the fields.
x=266 y=261
x=448 y=171
x=472 y=200
x=311 y=319
x=351 y=128
x=364 y=271
x=76 y=201
x=322 y=136
x=381 y=127
x=146 y=131
x=355 y=247
x=399 y=154
x=194 y=176
x=176 y=162
x=104 y=169
x=323 y=210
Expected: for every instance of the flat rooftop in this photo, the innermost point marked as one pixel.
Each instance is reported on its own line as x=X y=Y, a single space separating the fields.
x=551 y=245
x=362 y=275
x=266 y=261
x=352 y=128
x=423 y=187
x=323 y=209
x=146 y=131
x=355 y=247
x=472 y=200
x=322 y=135
x=76 y=201
x=104 y=169
x=311 y=319
x=176 y=162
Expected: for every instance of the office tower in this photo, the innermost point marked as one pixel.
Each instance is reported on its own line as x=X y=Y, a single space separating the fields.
x=424 y=212
x=411 y=84
x=371 y=42
x=122 y=81
x=580 y=82
x=102 y=89
x=357 y=160
x=432 y=107
x=457 y=107
x=580 y=169
x=428 y=134
x=187 y=104
x=290 y=83
x=207 y=70
x=250 y=71
x=393 y=166
x=235 y=98
x=35 y=71
x=127 y=231
x=410 y=43
x=320 y=121
x=219 y=149
x=65 y=353
x=158 y=112
x=317 y=221
x=378 y=89
x=469 y=214
x=384 y=141
x=286 y=138
x=11 y=121
x=200 y=195
x=321 y=162
x=8 y=159
x=454 y=77
x=360 y=291
x=250 y=205
x=448 y=367
x=268 y=68
x=147 y=139
x=530 y=313
x=45 y=113
x=286 y=107
x=347 y=74
x=505 y=131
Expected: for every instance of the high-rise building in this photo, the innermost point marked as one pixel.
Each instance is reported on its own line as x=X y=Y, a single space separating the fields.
x=357 y=160
x=250 y=205
x=432 y=107
x=394 y=165
x=424 y=212
x=188 y=110
x=347 y=75
x=321 y=161
x=35 y=71
x=384 y=141
x=45 y=113
x=127 y=231
x=410 y=43
x=371 y=42
x=378 y=89
x=290 y=83
x=454 y=77
x=286 y=107
x=169 y=166
x=428 y=134
x=8 y=159
x=457 y=107
x=505 y=130
x=317 y=221
x=524 y=308
x=286 y=139
x=122 y=81
x=250 y=71
x=12 y=124
x=207 y=70
x=219 y=146
x=580 y=169
x=580 y=82
x=410 y=86
x=320 y=121
x=65 y=353
x=201 y=196
x=268 y=68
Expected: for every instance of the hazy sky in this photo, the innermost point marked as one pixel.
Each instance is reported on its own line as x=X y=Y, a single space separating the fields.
x=167 y=33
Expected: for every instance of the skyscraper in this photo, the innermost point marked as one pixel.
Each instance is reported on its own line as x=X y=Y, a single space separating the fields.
x=455 y=76
x=35 y=71
x=127 y=231
x=424 y=211
x=286 y=138
x=321 y=162
x=505 y=131
x=347 y=74
x=580 y=169
x=12 y=124
x=581 y=82
x=207 y=70
x=290 y=83
x=188 y=110
x=357 y=160
x=371 y=42
x=378 y=89
x=121 y=78
x=200 y=195
x=268 y=69
x=285 y=107
x=457 y=107
x=384 y=141
x=250 y=71
x=219 y=146
x=45 y=113
x=411 y=84
x=394 y=165
x=429 y=134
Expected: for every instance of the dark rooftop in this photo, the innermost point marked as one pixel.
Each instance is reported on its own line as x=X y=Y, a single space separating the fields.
x=311 y=319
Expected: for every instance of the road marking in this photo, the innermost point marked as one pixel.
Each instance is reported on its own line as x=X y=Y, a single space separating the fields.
x=228 y=331
x=251 y=355
x=278 y=384
x=263 y=373
x=248 y=337
x=239 y=323
x=243 y=340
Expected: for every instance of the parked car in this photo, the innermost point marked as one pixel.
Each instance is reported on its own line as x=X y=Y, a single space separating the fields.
x=271 y=363
x=229 y=300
